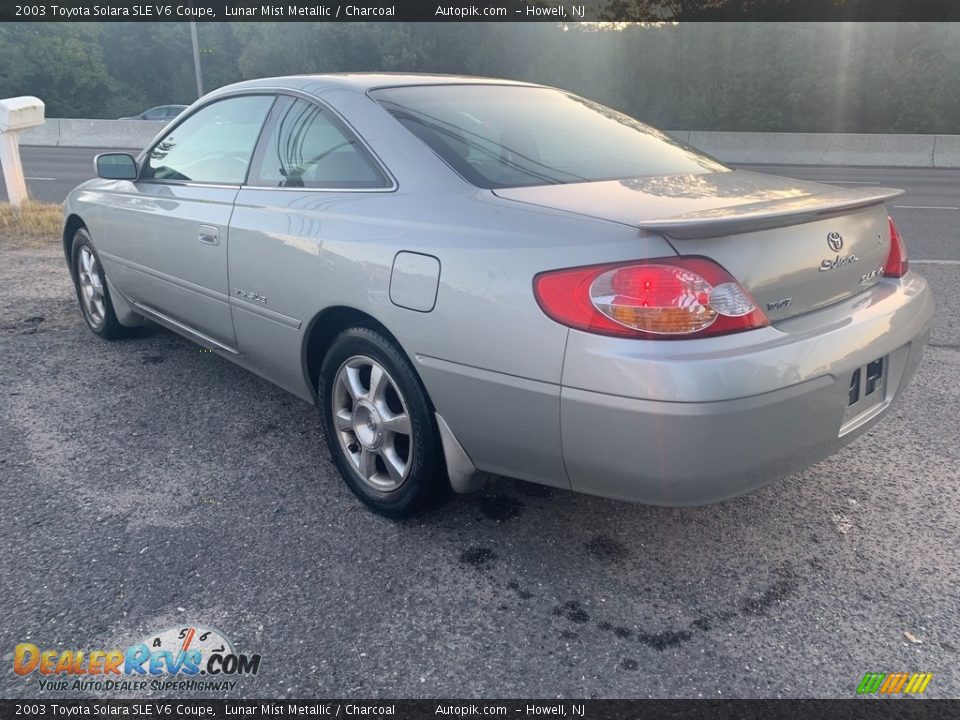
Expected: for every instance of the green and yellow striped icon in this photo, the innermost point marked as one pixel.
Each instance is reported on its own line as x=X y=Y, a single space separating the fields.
x=894 y=683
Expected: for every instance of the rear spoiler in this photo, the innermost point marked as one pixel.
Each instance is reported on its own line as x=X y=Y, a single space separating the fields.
x=767 y=213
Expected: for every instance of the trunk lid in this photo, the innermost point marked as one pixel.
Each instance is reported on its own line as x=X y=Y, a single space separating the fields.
x=796 y=246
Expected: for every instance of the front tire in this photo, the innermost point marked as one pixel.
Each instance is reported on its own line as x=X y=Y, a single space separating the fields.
x=379 y=426
x=92 y=291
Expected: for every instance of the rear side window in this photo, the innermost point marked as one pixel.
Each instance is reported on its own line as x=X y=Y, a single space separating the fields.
x=214 y=145
x=501 y=136
x=304 y=147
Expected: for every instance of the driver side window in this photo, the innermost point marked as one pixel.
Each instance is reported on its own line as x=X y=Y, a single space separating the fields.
x=214 y=145
x=305 y=148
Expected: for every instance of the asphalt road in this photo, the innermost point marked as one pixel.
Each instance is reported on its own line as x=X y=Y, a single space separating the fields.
x=928 y=215
x=147 y=485
x=52 y=173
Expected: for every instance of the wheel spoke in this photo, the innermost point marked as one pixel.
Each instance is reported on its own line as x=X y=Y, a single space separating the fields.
x=377 y=383
x=394 y=464
x=352 y=384
x=368 y=463
x=399 y=424
x=344 y=420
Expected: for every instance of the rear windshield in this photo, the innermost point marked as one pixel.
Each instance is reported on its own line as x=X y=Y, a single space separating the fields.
x=503 y=136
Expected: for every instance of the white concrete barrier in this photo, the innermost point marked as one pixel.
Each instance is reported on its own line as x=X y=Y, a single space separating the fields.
x=70 y=132
x=46 y=134
x=108 y=133
x=946 y=151
x=736 y=147
x=827 y=148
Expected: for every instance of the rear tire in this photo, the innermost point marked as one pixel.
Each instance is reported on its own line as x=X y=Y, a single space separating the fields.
x=379 y=426
x=92 y=291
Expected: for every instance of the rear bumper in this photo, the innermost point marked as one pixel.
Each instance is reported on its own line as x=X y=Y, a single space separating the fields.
x=693 y=422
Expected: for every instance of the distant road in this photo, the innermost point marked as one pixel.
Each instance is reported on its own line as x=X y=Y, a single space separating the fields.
x=53 y=172
x=928 y=215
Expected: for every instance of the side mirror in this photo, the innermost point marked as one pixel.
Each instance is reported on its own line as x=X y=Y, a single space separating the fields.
x=116 y=166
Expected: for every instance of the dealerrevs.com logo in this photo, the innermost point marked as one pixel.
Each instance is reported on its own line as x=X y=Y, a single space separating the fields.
x=191 y=658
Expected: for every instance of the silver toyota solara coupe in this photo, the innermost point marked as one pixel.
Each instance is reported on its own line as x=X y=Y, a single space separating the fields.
x=472 y=276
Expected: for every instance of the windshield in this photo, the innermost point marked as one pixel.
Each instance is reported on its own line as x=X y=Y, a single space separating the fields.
x=502 y=136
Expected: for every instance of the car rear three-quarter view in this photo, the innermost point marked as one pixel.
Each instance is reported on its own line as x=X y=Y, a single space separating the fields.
x=473 y=276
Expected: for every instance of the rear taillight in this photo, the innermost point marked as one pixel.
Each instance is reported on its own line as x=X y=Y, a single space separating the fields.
x=676 y=297
x=897 y=264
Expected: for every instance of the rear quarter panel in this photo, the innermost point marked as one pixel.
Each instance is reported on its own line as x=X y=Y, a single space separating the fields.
x=490 y=359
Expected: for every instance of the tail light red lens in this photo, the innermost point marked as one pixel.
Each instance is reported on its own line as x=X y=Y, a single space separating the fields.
x=677 y=297
x=897 y=263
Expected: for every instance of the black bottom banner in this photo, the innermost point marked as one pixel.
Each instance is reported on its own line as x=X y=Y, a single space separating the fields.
x=440 y=708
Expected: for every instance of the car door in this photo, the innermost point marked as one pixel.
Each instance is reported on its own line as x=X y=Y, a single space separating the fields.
x=313 y=186
x=169 y=236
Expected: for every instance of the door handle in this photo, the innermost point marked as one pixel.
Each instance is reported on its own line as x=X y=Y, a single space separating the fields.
x=209 y=235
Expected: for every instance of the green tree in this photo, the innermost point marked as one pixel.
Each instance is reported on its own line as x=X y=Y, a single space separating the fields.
x=61 y=63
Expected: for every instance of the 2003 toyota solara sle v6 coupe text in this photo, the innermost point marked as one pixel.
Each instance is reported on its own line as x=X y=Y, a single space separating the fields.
x=472 y=276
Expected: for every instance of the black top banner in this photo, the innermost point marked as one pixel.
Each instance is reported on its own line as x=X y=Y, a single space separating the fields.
x=503 y=11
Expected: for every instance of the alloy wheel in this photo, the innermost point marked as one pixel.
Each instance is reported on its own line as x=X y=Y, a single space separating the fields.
x=372 y=423
x=91 y=286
